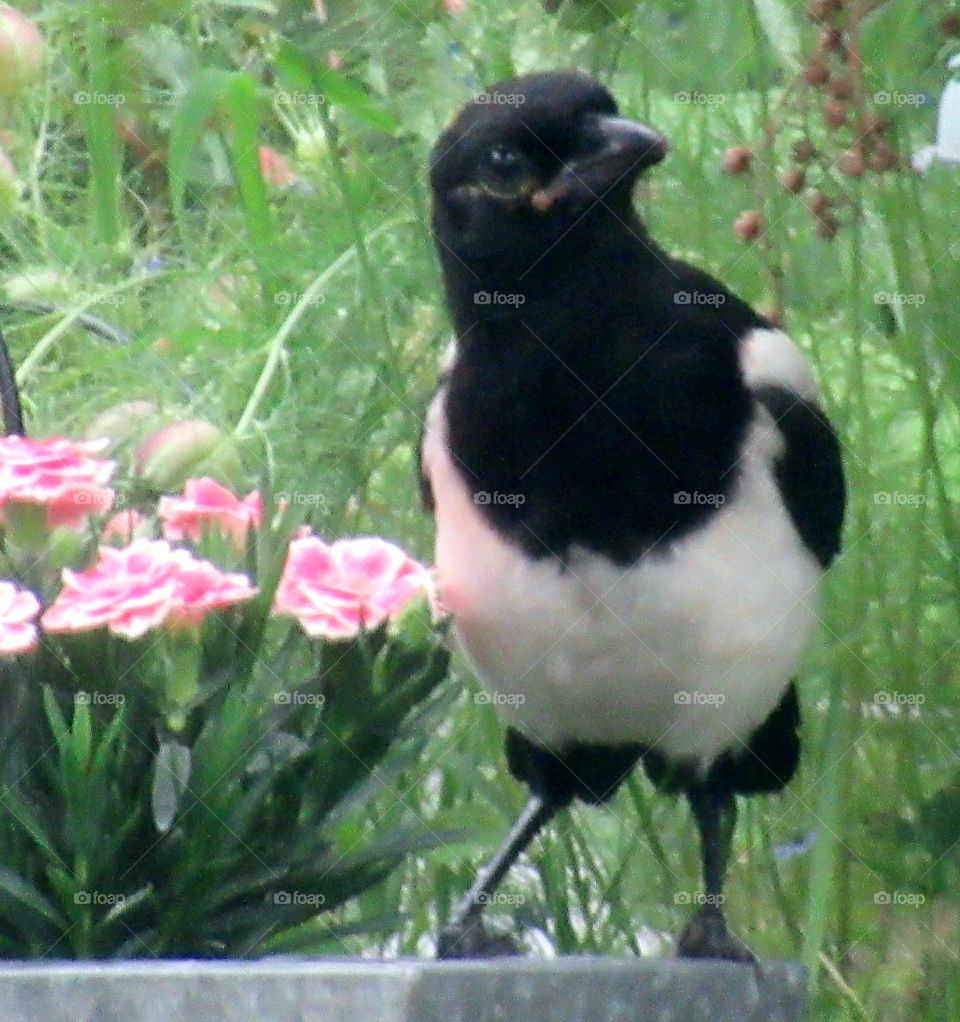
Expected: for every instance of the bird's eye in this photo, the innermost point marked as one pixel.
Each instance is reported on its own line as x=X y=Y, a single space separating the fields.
x=504 y=160
x=506 y=172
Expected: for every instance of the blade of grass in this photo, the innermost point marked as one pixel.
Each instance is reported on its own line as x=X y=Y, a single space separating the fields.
x=99 y=104
x=275 y=346
x=241 y=100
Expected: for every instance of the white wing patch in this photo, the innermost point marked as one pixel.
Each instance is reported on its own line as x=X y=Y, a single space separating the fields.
x=770 y=359
x=448 y=357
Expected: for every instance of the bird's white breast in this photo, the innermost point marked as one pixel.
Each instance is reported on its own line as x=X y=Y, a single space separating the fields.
x=687 y=651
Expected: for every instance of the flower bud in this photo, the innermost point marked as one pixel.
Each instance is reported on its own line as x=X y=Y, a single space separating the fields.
x=831 y=40
x=827 y=227
x=275 y=168
x=883 y=157
x=122 y=424
x=187 y=449
x=21 y=52
x=40 y=284
x=416 y=623
x=819 y=203
x=823 y=10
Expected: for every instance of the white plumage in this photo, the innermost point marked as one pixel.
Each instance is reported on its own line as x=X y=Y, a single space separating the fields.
x=687 y=651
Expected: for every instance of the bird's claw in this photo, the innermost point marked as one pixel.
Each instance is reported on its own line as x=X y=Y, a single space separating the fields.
x=470 y=939
x=706 y=936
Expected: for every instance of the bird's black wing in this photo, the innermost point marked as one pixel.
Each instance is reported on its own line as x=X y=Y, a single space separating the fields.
x=809 y=472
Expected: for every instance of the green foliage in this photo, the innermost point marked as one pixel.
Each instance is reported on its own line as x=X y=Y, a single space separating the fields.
x=204 y=808
x=308 y=318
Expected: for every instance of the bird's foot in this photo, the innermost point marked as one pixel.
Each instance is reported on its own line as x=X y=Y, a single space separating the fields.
x=707 y=936
x=468 y=938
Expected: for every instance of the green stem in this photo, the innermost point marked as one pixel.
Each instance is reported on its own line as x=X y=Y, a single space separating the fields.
x=276 y=344
x=377 y=296
x=50 y=338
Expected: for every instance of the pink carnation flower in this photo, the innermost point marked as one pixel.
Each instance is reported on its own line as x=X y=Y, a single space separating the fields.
x=18 y=608
x=206 y=503
x=123 y=526
x=140 y=587
x=335 y=590
x=61 y=475
x=275 y=168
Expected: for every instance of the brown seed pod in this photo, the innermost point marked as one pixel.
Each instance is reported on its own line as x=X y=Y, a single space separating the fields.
x=816 y=72
x=793 y=179
x=831 y=40
x=736 y=160
x=819 y=203
x=950 y=25
x=874 y=124
x=882 y=157
x=851 y=162
x=835 y=113
x=826 y=227
x=840 y=87
x=749 y=225
x=804 y=151
x=824 y=10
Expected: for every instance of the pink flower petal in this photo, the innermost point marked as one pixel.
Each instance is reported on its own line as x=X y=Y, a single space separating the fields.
x=62 y=475
x=123 y=526
x=337 y=590
x=139 y=587
x=207 y=504
x=18 y=609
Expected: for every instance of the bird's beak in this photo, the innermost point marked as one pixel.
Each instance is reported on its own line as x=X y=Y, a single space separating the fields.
x=622 y=149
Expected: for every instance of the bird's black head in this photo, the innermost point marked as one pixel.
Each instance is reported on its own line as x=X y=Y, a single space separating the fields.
x=525 y=162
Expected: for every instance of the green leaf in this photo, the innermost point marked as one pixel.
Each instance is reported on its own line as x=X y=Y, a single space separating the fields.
x=171 y=776
x=778 y=22
x=341 y=91
x=27 y=896
x=213 y=91
x=128 y=905
x=24 y=816
x=97 y=114
x=103 y=757
x=58 y=724
x=300 y=74
x=294 y=68
x=81 y=735
x=241 y=98
x=190 y=120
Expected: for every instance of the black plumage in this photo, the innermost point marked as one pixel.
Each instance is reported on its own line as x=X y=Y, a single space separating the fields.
x=608 y=415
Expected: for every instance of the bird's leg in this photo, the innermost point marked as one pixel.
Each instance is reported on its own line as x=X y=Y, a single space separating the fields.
x=464 y=936
x=707 y=935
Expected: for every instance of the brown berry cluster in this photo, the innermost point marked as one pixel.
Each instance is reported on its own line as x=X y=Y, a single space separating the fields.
x=831 y=81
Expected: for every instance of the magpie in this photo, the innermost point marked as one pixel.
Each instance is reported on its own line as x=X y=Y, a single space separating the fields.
x=635 y=489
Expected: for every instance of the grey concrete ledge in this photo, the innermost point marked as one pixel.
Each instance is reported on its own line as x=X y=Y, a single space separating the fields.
x=569 y=989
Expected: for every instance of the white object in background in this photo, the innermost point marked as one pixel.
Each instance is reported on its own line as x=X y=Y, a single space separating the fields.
x=947 y=145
